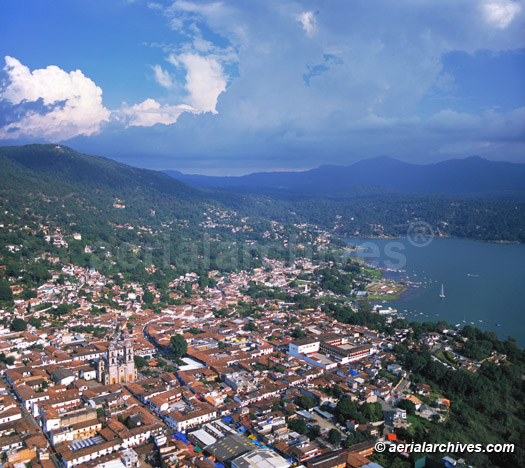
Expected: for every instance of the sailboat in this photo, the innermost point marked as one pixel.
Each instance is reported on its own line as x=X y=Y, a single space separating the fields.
x=442 y=293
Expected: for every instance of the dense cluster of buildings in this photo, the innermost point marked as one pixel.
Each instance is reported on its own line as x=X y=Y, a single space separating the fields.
x=95 y=385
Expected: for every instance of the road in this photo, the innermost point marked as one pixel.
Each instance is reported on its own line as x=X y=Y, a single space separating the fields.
x=403 y=386
x=386 y=407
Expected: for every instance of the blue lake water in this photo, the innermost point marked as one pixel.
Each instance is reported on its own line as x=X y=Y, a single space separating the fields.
x=484 y=283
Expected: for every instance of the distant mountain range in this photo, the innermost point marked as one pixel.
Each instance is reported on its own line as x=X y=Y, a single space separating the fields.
x=473 y=175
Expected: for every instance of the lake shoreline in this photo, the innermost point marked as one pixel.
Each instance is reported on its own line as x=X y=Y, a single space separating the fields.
x=481 y=280
x=503 y=242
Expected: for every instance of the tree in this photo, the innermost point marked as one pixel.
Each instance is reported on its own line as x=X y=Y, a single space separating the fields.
x=314 y=432
x=334 y=437
x=5 y=292
x=178 y=346
x=221 y=345
x=346 y=407
x=408 y=406
x=298 y=425
x=364 y=306
x=140 y=361
x=62 y=309
x=9 y=360
x=35 y=322
x=29 y=294
x=147 y=297
x=337 y=391
x=298 y=333
x=372 y=411
x=305 y=402
x=18 y=325
x=250 y=326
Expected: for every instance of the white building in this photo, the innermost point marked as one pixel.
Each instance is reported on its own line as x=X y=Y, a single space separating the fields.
x=303 y=346
x=260 y=459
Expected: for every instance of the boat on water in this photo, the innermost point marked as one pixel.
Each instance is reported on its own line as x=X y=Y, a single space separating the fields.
x=442 y=293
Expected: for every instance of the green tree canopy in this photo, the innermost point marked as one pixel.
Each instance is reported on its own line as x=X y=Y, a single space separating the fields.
x=140 y=361
x=334 y=437
x=18 y=325
x=178 y=346
x=298 y=425
x=5 y=292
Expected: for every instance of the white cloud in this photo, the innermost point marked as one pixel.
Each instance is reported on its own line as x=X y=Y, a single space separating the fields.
x=162 y=77
x=204 y=83
x=489 y=127
x=150 y=112
x=449 y=121
x=55 y=105
x=500 y=13
x=205 y=9
x=72 y=103
x=205 y=80
x=308 y=22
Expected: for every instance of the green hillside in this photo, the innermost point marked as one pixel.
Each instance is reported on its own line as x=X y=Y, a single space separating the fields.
x=57 y=184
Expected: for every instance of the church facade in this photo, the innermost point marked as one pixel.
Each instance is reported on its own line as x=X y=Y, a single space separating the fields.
x=118 y=366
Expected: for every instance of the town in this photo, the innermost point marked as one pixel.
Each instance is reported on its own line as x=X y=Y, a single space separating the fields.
x=251 y=368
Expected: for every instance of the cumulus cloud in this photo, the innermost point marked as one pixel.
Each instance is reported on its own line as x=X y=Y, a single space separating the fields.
x=150 y=112
x=500 y=13
x=55 y=105
x=162 y=77
x=205 y=80
x=64 y=105
x=308 y=22
x=198 y=56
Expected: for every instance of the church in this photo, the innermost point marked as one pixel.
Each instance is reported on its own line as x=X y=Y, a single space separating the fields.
x=118 y=366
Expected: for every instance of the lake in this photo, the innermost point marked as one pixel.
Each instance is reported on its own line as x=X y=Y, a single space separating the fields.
x=484 y=283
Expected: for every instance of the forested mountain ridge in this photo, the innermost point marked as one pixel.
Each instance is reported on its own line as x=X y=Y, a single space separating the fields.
x=55 y=161
x=87 y=193
x=50 y=176
x=473 y=176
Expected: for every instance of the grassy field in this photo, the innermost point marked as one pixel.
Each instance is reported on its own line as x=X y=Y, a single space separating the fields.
x=389 y=297
x=373 y=272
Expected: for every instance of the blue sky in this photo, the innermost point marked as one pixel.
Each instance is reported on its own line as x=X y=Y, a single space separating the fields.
x=231 y=87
